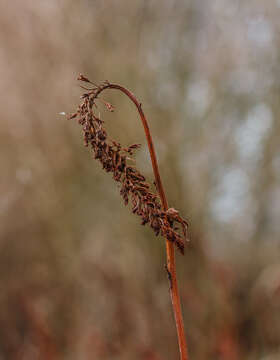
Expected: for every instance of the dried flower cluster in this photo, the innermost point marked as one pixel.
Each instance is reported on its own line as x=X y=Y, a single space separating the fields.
x=114 y=159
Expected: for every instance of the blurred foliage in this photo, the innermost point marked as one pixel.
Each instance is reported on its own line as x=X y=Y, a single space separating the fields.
x=80 y=278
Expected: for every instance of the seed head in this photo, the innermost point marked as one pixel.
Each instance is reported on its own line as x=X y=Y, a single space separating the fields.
x=114 y=159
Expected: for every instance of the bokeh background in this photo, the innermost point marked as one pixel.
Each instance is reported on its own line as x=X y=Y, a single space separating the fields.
x=80 y=278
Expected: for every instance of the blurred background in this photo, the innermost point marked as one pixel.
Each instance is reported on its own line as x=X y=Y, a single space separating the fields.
x=80 y=278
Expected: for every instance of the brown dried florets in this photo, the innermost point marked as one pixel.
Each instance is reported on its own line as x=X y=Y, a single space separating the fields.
x=114 y=159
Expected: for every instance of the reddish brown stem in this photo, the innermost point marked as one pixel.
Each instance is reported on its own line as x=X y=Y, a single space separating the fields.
x=171 y=266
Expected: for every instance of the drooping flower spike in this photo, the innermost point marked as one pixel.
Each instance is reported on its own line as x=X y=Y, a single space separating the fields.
x=114 y=159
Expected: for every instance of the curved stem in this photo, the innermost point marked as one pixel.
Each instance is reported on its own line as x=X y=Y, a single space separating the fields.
x=170 y=254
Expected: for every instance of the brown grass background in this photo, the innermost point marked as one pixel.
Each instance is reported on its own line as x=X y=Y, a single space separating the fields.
x=79 y=277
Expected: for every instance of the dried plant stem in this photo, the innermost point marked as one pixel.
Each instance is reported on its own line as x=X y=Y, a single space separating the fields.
x=171 y=265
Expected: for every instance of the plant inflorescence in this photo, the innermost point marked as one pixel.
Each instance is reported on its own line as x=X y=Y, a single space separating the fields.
x=115 y=159
x=151 y=207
